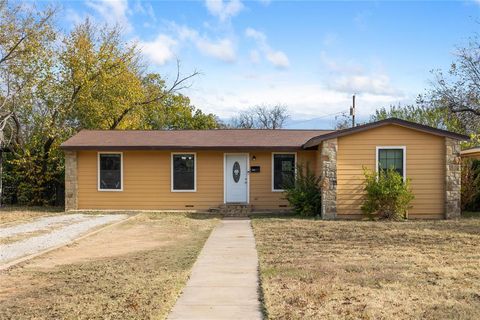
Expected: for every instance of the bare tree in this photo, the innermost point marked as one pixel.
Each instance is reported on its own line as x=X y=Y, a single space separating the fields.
x=180 y=83
x=244 y=120
x=459 y=88
x=343 y=121
x=261 y=117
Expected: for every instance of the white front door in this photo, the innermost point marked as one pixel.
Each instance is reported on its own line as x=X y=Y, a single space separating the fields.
x=236 y=178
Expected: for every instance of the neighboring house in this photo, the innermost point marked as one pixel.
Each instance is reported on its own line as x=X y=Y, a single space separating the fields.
x=204 y=169
x=473 y=153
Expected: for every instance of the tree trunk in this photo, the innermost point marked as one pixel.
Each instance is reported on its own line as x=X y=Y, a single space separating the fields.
x=1 y=174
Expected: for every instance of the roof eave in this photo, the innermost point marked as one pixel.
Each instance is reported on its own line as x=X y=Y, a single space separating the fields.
x=470 y=151
x=188 y=148
x=315 y=141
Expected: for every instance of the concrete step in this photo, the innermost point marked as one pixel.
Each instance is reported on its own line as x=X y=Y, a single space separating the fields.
x=235 y=210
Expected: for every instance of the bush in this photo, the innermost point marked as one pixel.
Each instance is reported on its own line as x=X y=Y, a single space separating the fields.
x=388 y=196
x=304 y=193
x=470 y=185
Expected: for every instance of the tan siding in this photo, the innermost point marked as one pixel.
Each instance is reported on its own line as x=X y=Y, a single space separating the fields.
x=261 y=194
x=425 y=168
x=318 y=161
x=147 y=182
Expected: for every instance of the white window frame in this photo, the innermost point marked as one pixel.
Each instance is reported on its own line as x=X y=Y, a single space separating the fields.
x=194 y=171
x=121 y=172
x=404 y=148
x=273 y=169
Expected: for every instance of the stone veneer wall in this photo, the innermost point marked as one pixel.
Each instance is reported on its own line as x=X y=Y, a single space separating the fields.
x=71 y=180
x=328 y=159
x=452 y=178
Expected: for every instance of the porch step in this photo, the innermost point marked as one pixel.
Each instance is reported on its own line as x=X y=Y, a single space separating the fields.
x=235 y=210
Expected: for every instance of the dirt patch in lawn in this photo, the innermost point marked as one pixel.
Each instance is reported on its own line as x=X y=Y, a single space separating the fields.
x=369 y=270
x=134 y=236
x=134 y=270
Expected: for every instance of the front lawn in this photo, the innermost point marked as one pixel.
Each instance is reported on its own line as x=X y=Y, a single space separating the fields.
x=133 y=270
x=369 y=270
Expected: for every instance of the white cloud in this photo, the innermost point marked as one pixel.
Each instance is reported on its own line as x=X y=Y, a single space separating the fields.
x=222 y=49
x=344 y=66
x=371 y=83
x=224 y=10
x=184 y=32
x=145 y=8
x=112 y=11
x=303 y=100
x=255 y=34
x=350 y=77
x=278 y=58
x=160 y=50
x=330 y=93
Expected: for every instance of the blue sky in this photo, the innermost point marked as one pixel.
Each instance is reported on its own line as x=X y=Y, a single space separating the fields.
x=309 y=55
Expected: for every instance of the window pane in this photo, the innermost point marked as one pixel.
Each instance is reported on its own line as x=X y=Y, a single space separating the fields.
x=110 y=171
x=283 y=170
x=391 y=159
x=399 y=163
x=183 y=172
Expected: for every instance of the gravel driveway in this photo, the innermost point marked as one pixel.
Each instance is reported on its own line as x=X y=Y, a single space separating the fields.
x=58 y=230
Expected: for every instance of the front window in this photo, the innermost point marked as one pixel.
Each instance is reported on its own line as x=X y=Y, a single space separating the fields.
x=110 y=171
x=391 y=158
x=283 y=170
x=183 y=175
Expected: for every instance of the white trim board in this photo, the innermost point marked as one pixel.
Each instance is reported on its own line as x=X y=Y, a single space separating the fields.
x=273 y=172
x=194 y=171
x=404 y=148
x=98 y=171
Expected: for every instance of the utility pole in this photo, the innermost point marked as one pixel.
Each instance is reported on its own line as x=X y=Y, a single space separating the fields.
x=352 y=111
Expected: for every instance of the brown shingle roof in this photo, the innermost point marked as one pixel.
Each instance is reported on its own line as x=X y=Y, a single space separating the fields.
x=315 y=141
x=229 y=139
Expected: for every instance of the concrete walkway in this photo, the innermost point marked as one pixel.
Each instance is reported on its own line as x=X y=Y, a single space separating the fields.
x=224 y=280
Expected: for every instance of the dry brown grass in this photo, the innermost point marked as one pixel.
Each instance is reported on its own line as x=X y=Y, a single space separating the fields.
x=134 y=270
x=369 y=270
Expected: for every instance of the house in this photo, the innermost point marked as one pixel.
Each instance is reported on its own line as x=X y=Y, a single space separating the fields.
x=203 y=169
x=472 y=153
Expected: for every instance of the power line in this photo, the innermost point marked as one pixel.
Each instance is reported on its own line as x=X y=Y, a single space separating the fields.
x=329 y=115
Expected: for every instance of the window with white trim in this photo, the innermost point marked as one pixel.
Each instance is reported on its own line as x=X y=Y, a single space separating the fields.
x=391 y=158
x=110 y=171
x=283 y=170
x=183 y=172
